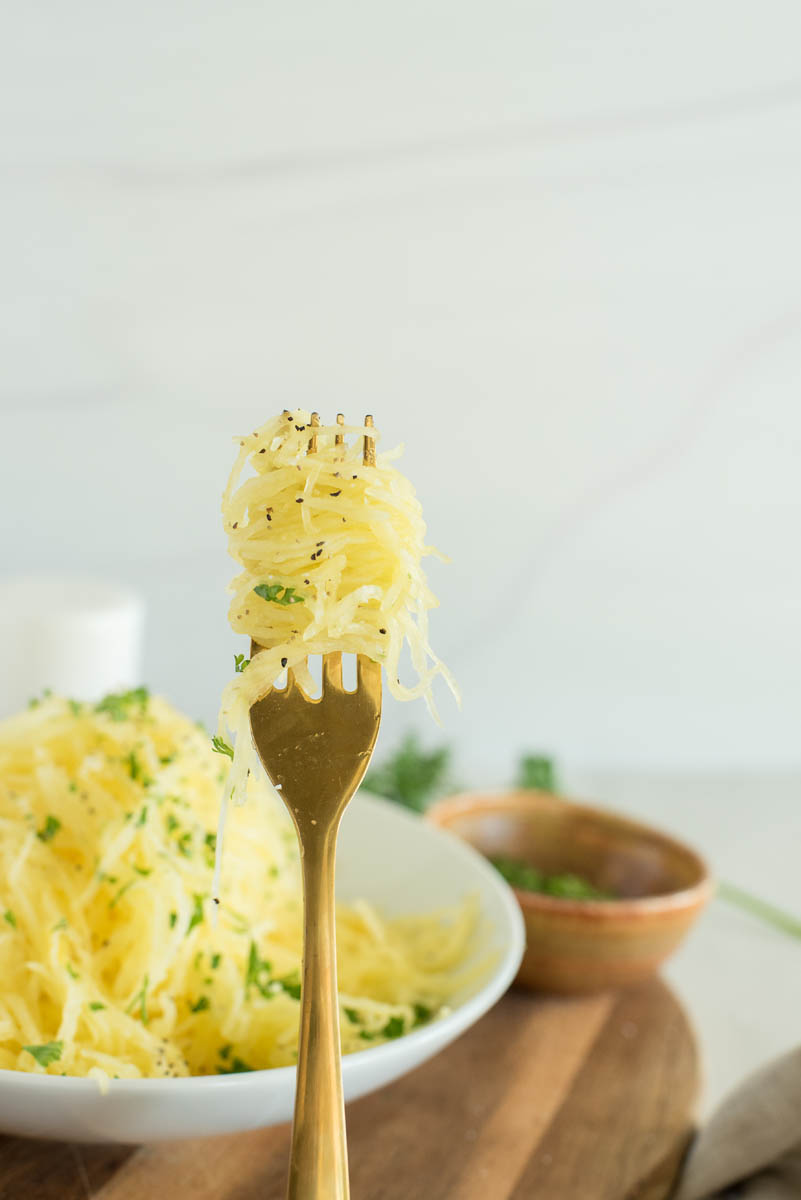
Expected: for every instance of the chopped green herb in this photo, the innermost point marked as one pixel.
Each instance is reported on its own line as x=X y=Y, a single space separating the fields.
x=166 y=759
x=184 y=843
x=142 y=870
x=9 y=916
x=394 y=1027
x=257 y=968
x=114 y=901
x=222 y=746
x=142 y=818
x=421 y=1014
x=210 y=845
x=200 y=1005
x=73 y=974
x=352 y=1015
x=61 y=924
x=120 y=705
x=197 y=912
x=50 y=1052
x=36 y=701
x=96 y=1005
x=238 y=1067
x=72 y=786
x=173 y=919
x=215 y=961
x=412 y=776
x=225 y=1051
x=536 y=772
x=172 y=823
x=134 y=765
x=240 y=662
x=290 y=985
x=49 y=829
x=277 y=593
x=75 y=707
x=565 y=886
x=368 y=1035
x=140 y=999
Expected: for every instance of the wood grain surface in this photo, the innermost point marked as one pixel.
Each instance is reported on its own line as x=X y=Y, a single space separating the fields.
x=585 y=1099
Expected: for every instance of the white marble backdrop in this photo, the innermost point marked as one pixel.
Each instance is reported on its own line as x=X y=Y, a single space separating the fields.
x=554 y=247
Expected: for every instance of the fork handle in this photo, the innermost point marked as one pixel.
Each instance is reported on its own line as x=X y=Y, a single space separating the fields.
x=318 y=1166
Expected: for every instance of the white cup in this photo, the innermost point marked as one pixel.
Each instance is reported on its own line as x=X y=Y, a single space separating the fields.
x=78 y=636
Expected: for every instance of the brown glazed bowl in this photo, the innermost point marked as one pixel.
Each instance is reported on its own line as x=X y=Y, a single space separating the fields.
x=573 y=946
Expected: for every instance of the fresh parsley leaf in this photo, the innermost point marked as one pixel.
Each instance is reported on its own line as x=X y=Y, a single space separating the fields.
x=238 y=1067
x=96 y=1005
x=200 y=1005
x=221 y=746
x=352 y=1015
x=114 y=901
x=75 y=707
x=60 y=924
x=394 y=1027
x=9 y=916
x=257 y=969
x=421 y=1014
x=142 y=870
x=50 y=1052
x=142 y=818
x=73 y=974
x=290 y=985
x=411 y=776
x=197 y=912
x=240 y=662
x=225 y=1051
x=215 y=961
x=536 y=772
x=566 y=885
x=49 y=829
x=173 y=919
x=278 y=594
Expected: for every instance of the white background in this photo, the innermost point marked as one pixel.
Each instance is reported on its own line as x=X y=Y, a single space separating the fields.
x=554 y=247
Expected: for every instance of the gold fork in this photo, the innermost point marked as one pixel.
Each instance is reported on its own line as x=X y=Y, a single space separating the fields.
x=316 y=753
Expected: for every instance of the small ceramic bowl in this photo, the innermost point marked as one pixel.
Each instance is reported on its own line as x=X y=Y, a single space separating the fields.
x=660 y=886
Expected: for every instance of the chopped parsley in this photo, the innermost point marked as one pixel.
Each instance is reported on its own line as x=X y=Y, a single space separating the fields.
x=171 y=822
x=225 y=1051
x=62 y=924
x=240 y=662
x=565 y=886
x=49 y=829
x=200 y=1005
x=173 y=918
x=142 y=870
x=394 y=1027
x=96 y=1005
x=140 y=1000
x=352 y=1015
x=421 y=1014
x=221 y=746
x=114 y=901
x=121 y=706
x=197 y=912
x=215 y=961
x=278 y=594
x=9 y=916
x=257 y=968
x=50 y=1052
x=73 y=974
x=75 y=707
x=142 y=818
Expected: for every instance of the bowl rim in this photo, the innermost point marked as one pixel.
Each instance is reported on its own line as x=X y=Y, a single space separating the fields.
x=678 y=900
x=438 y=1032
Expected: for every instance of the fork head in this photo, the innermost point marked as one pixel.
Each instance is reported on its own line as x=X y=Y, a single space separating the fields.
x=316 y=751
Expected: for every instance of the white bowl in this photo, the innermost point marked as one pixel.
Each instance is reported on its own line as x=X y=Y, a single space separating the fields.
x=386 y=855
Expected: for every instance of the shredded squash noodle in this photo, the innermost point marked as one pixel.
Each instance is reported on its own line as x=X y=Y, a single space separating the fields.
x=331 y=554
x=110 y=963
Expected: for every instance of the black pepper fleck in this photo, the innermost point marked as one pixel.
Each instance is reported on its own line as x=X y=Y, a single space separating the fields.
x=299 y=500
x=382 y=631
x=283 y=662
x=235 y=524
x=336 y=493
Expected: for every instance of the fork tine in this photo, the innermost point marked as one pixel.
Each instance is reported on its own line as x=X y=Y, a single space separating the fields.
x=314 y=422
x=368 y=675
x=332 y=671
x=368 y=457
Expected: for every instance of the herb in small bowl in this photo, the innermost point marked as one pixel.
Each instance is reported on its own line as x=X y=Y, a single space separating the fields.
x=565 y=886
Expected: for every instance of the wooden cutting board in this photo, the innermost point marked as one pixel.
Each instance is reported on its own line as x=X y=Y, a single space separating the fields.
x=586 y=1099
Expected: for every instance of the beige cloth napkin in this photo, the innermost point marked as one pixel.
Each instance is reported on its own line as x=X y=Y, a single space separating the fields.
x=751 y=1148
